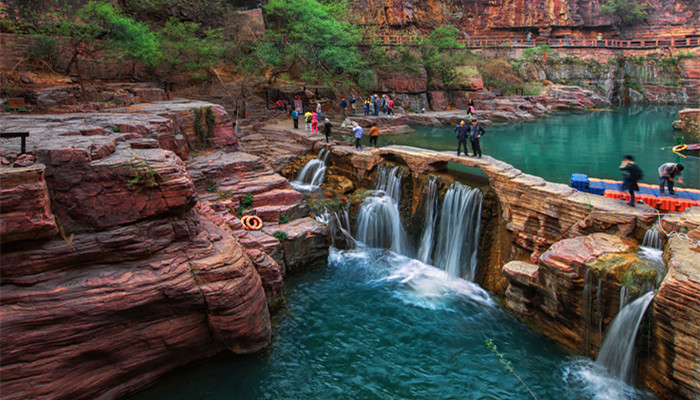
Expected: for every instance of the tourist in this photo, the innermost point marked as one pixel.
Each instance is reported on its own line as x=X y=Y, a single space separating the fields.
x=314 y=123
x=470 y=108
x=327 y=129
x=353 y=100
x=343 y=106
x=367 y=104
x=278 y=105
x=632 y=173
x=307 y=119
x=667 y=172
x=475 y=133
x=383 y=104
x=390 y=107
x=373 y=135
x=318 y=109
x=358 y=131
x=295 y=118
x=461 y=132
x=376 y=105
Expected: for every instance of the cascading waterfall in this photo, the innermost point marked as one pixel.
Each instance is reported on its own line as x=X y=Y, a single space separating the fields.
x=652 y=238
x=431 y=204
x=338 y=223
x=587 y=309
x=312 y=174
x=457 y=239
x=623 y=297
x=389 y=181
x=379 y=222
x=617 y=352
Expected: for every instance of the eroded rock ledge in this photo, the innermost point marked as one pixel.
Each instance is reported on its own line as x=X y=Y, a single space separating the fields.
x=118 y=262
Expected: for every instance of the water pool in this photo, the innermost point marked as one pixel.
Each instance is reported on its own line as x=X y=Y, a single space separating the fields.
x=561 y=144
x=376 y=325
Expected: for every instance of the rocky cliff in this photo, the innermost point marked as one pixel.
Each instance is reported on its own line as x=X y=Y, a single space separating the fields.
x=118 y=261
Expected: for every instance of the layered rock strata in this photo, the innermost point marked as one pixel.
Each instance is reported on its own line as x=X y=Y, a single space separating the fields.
x=113 y=273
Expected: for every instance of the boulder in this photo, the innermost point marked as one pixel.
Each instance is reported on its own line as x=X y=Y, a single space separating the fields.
x=26 y=207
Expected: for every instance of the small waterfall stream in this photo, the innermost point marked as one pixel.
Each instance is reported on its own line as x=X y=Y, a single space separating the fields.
x=617 y=352
x=431 y=209
x=312 y=174
x=457 y=239
x=652 y=238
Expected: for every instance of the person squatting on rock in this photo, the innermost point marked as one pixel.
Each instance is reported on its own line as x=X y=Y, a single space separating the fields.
x=358 y=131
x=373 y=134
x=314 y=123
x=295 y=118
x=461 y=132
x=307 y=119
x=667 y=172
x=327 y=129
x=630 y=175
x=475 y=132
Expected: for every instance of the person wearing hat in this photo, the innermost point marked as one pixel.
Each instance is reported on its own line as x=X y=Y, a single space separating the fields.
x=476 y=132
x=667 y=172
x=327 y=129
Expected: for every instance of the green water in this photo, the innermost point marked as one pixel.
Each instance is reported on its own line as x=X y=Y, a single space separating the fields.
x=374 y=325
x=591 y=143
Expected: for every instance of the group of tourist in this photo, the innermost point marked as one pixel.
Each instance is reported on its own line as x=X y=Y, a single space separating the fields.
x=358 y=131
x=631 y=174
x=374 y=103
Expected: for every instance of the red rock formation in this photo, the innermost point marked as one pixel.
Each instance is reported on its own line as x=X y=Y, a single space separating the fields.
x=674 y=355
x=26 y=209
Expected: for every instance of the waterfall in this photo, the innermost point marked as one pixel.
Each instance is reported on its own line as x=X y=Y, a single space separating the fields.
x=587 y=309
x=457 y=238
x=311 y=175
x=617 y=352
x=652 y=238
x=389 y=181
x=623 y=297
x=338 y=223
x=431 y=204
x=379 y=224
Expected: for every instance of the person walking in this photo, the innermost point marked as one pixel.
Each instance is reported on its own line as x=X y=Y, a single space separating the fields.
x=358 y=131
x=461 y=132
x=318 y=109
x=295 y=118
x=327 y=129
x=667 y=172
x=630 y=175
x=353 y=100
x=373 y=134
x=390 y=107
x=367 y=104
x=343 y=106
x=475 y=133
x=314 y=123
x=307 y=119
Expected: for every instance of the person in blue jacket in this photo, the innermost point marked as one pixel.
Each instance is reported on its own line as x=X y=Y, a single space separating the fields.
x=461 y=132
x=475 y=133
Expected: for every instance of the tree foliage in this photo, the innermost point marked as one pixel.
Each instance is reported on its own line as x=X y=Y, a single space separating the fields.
x=625 y=12
x=442 y=53
x=187 y=47
x=313 y=33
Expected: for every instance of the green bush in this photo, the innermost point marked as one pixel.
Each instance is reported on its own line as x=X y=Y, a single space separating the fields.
x=280 y=235
x=246 y=203
x=283 y=219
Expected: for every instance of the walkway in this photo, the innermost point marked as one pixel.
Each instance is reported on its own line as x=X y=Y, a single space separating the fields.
x=555 y=43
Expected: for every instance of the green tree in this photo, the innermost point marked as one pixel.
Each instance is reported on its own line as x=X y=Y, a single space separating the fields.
x=94 y=28
x=442 y=53
x=624 y=12
x=188 y=48
x=314 y=34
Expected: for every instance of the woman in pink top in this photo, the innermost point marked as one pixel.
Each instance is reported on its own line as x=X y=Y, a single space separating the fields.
x=314 y=123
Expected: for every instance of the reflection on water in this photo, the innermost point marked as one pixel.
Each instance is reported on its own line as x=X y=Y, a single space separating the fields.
x=591 y=143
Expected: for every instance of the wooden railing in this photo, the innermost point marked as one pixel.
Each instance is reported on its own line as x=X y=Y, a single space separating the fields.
x=564 y=42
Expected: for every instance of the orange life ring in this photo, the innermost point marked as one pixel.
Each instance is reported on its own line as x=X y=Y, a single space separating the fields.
x=252 y=222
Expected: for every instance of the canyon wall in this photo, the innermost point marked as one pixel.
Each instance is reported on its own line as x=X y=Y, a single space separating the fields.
x=123 y=255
